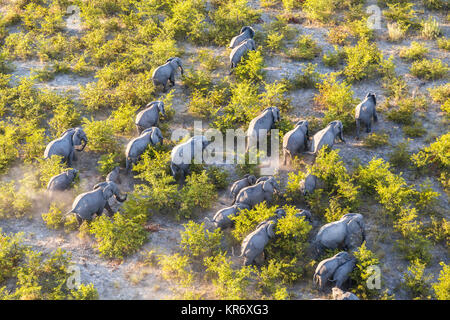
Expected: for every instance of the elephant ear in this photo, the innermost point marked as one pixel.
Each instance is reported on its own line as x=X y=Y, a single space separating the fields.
x=275 y=114
x=107 y=192
x=170 y=59
x=267 y=186
x=271 y=230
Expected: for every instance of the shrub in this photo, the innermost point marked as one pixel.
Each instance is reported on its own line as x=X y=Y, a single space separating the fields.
x=321 y=10
x=198 y=193
x=415 y=130
x=273 y=277
x=230 y=284
x=403 y=14
x=274 y=41
x=305 y=48
x=12 y=252
x=122 y=119
x=107 y=163
x=443 y=43
x=54 y=217
x=308 y=78
x=8 y=145
x=197 y=80
x=442 y=286
x=396 y=32
x=100 y=135
x=333 y=58
x=251 y=67
x=416 y=281
x=406 y=107
x=416 y=51
x=293 y=193
x=119 y=236
x=337 y=100
x=47 y=168
x=399 y=157
x=218 y=177
x=14 y=202
x=429 y=69
x=365 y=261
x=197 y=241
x=439 y=230
x=375 y=140
x=247 y=220
x=176 y=267
x=430 y=28
x=435 y=155
x=362 y=60
x=64 y=116
x=441 y=93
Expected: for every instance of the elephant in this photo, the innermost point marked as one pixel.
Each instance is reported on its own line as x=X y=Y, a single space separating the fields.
x=263 y=178
x=265 y=121
x=62 y=181
x=182 y=155
x=253 y=245
x=327 y=136
x=295 y=140
x=335 y=269
x=364 y=112
x=247 y=32
x=238 y=52
x=149 y=117
x=308 y=185
x=222 y=217
x=114 y=175
x=306 y=214
x=347 y=233
x=166 y=72
x=114 y=188
x=67 y=144
x=92 y=202
x=262 y=191
x=238 y=185
x=137 y=146
x=339 y=294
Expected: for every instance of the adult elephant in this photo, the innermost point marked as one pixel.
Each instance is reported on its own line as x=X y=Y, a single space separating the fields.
x=347 y=233
x=137 y=146
x=238 y=185
x=253 y=245
x=66 y=145
x=247 y=32
x=262 y=124
x=149 y=117
x=166 y=72
x=295 y=140
x=222 y=217
x=262 y=191
x=62 y=181
x=327 y=136
x=92 y=202
x=335 y=270
x=238 y=52
x=183 y=154
x=365 y=112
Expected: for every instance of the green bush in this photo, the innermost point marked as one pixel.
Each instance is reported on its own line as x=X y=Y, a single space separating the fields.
x=375 y=140
x=247 y=220
x=308 y=78
x=441 y=93
x=100 y=135
x=442 y=286
x=403 y=14
x=416 y=51
x=14 y=201
x=198 y=193
x=54 y=217
x=197 y=241
x=321 y=10
x=405 y=109
x=119 y=236
x=429 y=69
x=176 y=267
x=251 y=67
x=362 y=60
x=218 y=177
x=305 y=48
x=435 y=156
x=430 y=28
x=107 y=163
x=333 y=58
x=365 y=261
x=416 y=281
x=400 y=155
x=336 y=98
x=443 y=43
x=47 y=168
x=122 y=119
x=273 y=278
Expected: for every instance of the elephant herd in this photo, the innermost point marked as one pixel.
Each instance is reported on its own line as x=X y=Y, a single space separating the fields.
x=347 y=234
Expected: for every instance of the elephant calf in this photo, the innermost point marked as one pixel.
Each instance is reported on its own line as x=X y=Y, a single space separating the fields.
x=262 y=191
x=327 y=136
x=253 y=245
x=114 y=175
x=347 y=233
x=335 y=270
x=149 y=117
x=365 y=111
x=222 y=217
x=238 y=185
x=62 y=181
x=296 y=140
x=137 y=146
x=166 y=72
x=114 y=188
x=247 y=32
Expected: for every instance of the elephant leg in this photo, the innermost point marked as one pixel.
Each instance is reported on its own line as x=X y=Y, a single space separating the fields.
x=172 y=79
x=79 y=220
x=284 y=157
x=70 y=158
x=108 y=208
x=369 y=127
x=165 y=87
x=375 y=116
x=358 y=124
x=128 y=165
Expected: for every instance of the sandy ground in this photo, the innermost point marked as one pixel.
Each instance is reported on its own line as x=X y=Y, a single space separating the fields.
x=132 y=280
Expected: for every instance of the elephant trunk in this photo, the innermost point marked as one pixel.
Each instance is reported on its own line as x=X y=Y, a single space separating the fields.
x=341 y=135
x=120 y=199
x=181 y=70
x=84 y=143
